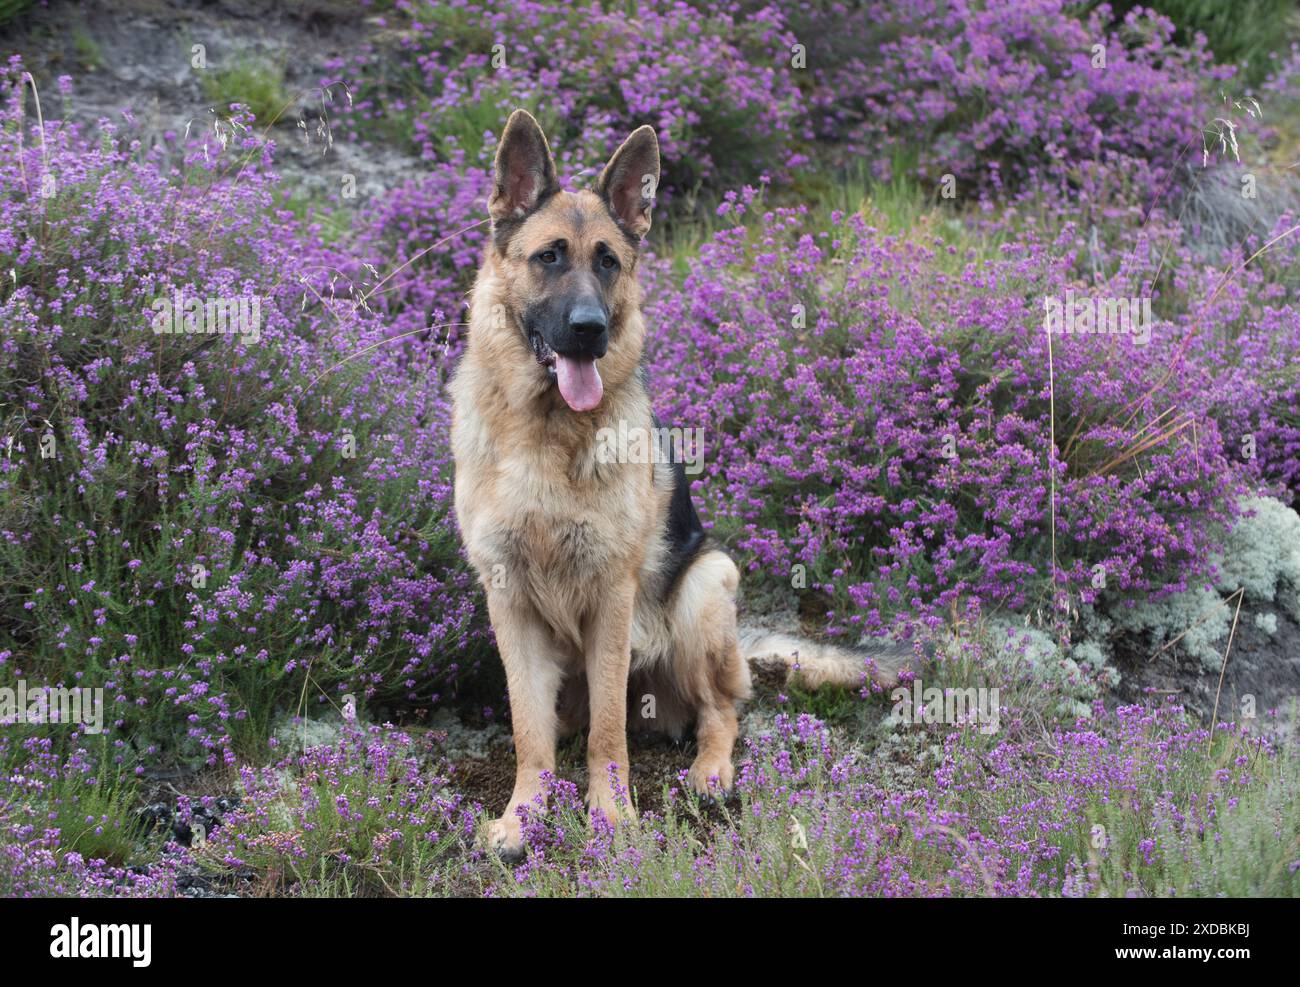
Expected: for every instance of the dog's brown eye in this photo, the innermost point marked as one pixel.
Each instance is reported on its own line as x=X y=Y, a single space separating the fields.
x=608 y=262
x=548 y=256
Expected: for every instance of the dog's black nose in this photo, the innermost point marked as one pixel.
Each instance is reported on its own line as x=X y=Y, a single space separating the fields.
x=588 y=319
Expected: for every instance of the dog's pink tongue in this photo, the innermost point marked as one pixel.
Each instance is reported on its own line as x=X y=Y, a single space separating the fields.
x=579 y=381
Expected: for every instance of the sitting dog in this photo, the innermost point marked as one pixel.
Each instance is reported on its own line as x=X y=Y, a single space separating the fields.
x=601 y=586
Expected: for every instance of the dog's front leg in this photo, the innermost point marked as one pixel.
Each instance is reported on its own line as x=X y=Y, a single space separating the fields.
x=533 y=675
x=608 y=647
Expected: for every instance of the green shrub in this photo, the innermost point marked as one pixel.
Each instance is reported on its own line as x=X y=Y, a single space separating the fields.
x=10 y=9
x=1242 y=33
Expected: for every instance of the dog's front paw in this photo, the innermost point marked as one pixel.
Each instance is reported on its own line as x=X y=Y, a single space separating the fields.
x=616 y=807
x=505 y=838
x=711 y=777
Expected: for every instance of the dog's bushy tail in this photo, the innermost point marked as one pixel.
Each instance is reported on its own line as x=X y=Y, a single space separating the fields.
x=813 y=664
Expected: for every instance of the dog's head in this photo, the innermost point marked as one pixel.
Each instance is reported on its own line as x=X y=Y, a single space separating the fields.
x=566 y=261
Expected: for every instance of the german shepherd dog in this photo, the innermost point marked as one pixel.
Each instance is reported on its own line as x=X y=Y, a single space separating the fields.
x=601 y=586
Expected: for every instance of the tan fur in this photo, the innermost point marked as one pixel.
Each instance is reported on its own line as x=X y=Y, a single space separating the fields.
x=569 y=549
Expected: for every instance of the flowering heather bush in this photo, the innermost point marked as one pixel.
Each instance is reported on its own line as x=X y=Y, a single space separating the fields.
x=1001 y=95
x=1136 y=808
x=435 y=224
x=1007 y=94
x=1260 y=557
x=223 y=528
x=883 y=423
x=1142 y=806
x=1003 y=98
x=1248 y=340
x=714 y=85
x=67 y=826
x=365 y=814
x=1244 y=33
x=206 y=525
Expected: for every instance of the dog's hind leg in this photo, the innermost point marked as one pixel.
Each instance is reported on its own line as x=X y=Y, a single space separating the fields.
x=572 y=709
x=707 y=665
x=716 y=727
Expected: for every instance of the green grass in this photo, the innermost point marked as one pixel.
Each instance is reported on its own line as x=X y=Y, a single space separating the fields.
x=333 y=856
x=95 y=820
x=255 y=82
x=89 y=55
x=10 y=9
x=899 y=207
x=1257 y=838
x=93 y=810
x=464 y=127
x=333 y=218
x=1248 y=859
x=1241 y=32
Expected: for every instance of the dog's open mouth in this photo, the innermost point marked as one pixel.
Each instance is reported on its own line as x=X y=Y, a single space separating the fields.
x=578 y=379
x=542 y=350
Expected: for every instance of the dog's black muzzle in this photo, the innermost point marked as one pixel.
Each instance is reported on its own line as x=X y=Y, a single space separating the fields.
x=581 y=331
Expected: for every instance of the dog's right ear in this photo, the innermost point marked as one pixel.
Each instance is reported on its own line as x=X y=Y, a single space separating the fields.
x=525 y=171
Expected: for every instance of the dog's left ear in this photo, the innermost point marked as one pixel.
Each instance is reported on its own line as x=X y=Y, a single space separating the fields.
x=631 y=179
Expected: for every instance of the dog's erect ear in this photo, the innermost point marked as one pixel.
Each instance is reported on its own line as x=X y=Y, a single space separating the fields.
x=631 y=178
x=525 y=171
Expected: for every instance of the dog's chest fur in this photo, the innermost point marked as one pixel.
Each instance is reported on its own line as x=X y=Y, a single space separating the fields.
x=543 y=518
